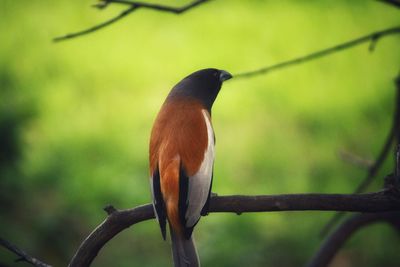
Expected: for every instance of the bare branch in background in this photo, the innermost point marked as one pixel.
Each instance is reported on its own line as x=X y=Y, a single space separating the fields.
x=384 y=206
x=372 y=37
x=23 y=256
x=355 y=160
x=119 y=220
x=373 y=170
x=175 y=10
x=395 y=3
x=97 y=27
x=336 y=240
x=133 y=6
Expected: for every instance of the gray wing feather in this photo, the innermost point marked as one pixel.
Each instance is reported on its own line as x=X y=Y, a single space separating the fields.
x=199 y=184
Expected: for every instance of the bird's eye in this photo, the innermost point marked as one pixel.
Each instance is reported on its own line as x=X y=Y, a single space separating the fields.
x=215 y=73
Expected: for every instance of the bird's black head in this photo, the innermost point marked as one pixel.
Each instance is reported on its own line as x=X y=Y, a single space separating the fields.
x=202 y=85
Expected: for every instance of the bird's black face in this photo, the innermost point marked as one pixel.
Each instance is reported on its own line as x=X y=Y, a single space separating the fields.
x=202 y=85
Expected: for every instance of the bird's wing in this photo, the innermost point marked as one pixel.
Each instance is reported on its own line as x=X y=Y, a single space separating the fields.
x=158 y=202
x=182 y=149
x=195 y=189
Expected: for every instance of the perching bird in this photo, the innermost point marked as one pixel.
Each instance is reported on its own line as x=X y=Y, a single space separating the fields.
x=182 y=158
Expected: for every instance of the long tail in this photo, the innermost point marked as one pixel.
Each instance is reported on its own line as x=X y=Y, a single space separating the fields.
x=183 y=250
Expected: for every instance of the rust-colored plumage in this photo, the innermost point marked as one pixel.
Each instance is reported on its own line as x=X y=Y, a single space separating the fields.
x=178 y=138
x=181 y=159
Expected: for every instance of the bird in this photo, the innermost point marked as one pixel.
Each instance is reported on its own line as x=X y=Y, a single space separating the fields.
x=181 y=156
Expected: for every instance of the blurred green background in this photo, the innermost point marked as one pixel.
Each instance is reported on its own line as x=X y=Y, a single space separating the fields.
x=75 y=119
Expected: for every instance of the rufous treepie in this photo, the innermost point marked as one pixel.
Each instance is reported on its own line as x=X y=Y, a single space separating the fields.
x=181 y=159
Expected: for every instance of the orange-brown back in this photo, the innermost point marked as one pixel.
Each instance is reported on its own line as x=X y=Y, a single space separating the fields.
x=178 y=139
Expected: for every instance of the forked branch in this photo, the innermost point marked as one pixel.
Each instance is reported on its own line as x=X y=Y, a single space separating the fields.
x=133 y=6
x=383 y=155
x=338 y=238
x=119 y=220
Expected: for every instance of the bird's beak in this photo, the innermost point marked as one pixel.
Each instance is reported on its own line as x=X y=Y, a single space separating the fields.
x=224 y=75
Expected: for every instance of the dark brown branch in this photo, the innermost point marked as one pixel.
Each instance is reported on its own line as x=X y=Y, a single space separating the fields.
x=116 y=221
x=119 y=220
x=395 y=3
x=133 y=5
x=96 y=27
x=373 y=170
x=23 y=256
x=336 y=240
x=372 y=37
x=397 y=116
x=175 y=10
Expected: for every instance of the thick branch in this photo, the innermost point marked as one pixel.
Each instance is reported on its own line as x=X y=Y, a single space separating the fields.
x=337 y=239
x=23 y=256
x=119 y=220
x=133 y=5
x=372 y=37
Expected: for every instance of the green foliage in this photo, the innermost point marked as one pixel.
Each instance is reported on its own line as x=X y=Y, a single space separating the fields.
x=75 y=119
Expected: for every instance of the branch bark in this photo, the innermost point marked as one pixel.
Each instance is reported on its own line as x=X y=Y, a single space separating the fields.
x=394 y=3
x=96 y=27
x=376 y=166
x=175 y=10
x=133 y=6
x=23 y=256
x=336 y=240
x=118 y=220
x=372 y=38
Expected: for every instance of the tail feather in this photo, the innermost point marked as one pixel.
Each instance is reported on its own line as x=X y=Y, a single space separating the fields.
x=183 y=250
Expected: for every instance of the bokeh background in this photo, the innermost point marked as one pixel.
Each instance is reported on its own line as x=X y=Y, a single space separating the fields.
x=75 y=119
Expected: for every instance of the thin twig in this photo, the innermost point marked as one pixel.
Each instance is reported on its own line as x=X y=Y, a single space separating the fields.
x=133 y=5
x=119 y=220
x=96 y=27
x=175 y=10
x=372 y=37
x=23 y=256
x=373 y=170
x=336 y=240
x=355 y=159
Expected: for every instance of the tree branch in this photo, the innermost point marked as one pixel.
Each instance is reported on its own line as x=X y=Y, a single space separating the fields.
x=119 y=220
x=133 y=5
x=395 y=3
x=23 y=256
x=96 y=27
x=372 y=37
x=175 y=10
x=336 y=240
x=373 y=170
